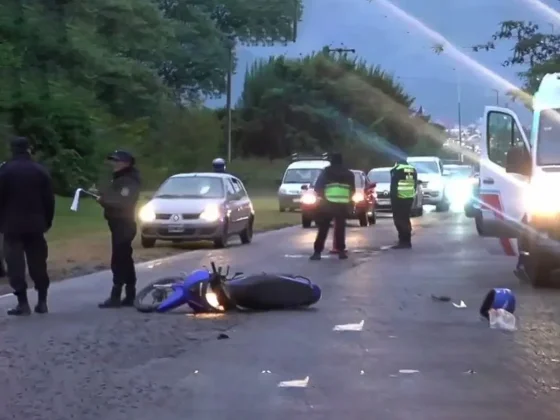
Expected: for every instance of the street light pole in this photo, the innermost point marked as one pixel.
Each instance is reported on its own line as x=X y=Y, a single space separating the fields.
x=459 y=113
x=231 y=46
x=497 y=96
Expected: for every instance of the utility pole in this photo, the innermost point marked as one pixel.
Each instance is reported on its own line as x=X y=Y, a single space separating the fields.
x=459 y=113
x=497 y=96
x=231 y=47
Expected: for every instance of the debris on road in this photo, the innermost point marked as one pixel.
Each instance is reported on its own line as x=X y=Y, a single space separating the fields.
x=296 y=383
x=223 y=336
x=441 y=298
x=349 y=327
x=408 y=371
x=460 y=305
x=502 y=319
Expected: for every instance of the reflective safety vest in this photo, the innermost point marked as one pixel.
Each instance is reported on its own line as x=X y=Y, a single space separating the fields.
x=338 y=193
x=406 y=188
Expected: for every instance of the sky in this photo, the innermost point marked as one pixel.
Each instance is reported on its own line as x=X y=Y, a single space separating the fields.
x=398 y=35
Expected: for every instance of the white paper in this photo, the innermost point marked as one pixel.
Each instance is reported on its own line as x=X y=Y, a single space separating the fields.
x=460 y=305
x=296 y=383
x=349 y=327
x=409 y=371
x=76 y=200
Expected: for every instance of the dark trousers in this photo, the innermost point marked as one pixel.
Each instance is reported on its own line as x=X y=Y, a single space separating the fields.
x=401 y=217
x=31 y=247
x=338 y=212
x=122 y=265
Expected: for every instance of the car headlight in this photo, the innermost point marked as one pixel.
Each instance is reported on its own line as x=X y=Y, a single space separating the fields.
x=147 y=214
x=358 y=197
x=308 y=199
x=282 y=191
x=539 y=199
x=211 y=213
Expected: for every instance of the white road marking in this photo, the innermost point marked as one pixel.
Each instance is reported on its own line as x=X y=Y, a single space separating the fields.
x=349 y=327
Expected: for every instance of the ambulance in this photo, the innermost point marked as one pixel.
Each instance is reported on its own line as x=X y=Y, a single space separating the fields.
x=520 y=182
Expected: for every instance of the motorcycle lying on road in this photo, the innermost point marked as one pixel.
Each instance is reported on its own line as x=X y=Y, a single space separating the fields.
x=206 y=291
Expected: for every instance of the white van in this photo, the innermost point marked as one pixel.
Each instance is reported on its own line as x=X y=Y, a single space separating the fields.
x=431 y=174
x=298 y=174
x=519 y=178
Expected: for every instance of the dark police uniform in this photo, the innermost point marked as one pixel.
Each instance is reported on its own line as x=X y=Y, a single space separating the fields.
x=26 y=213
x=335 y=187
x=119 y=202
x=404 y=180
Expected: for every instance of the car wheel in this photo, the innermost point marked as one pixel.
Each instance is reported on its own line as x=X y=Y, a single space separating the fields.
x=306 y=221
x=372 y=219
x=538 y=270
x=362 y=218
x=147 y=242
x=246 y=234
x=478 y=223
x=222 y=240
x=442 y=207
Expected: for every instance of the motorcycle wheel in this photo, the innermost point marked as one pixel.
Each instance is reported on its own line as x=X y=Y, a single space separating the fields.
x=158 y=295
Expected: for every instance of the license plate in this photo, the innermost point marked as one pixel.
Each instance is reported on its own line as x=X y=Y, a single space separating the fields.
x=297 y=200
x=175 y=229
x=383 y=202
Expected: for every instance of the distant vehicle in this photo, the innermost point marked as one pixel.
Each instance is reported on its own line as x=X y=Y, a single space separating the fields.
x=196 y=207
x=459 y=183
x=302 y=172
x=361 y=209
x=381 y=177
x=431 y=174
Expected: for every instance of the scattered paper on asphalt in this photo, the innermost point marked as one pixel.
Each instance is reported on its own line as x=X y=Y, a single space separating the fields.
x=349 y=327
x=266 y=371
x=296 y=383
x=460 y=305
x=76 y=200
x=409 y=371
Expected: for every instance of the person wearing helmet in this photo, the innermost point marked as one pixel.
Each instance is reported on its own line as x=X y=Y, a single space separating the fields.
x=219 y=165
x=404 y=180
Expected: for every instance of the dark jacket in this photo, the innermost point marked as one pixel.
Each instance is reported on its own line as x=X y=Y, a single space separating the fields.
x=119 y=199
x=26 y=196
x=399 y=175
x=334 y=174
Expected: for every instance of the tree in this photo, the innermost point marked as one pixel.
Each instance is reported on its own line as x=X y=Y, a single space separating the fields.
x=324 y=102
x=538 y=50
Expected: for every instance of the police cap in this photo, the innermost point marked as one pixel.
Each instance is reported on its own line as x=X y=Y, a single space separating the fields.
x=19 y=144
x=121 y=156
x=336 y=158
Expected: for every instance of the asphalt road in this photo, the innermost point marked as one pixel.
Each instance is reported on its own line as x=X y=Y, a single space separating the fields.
x=83 y=363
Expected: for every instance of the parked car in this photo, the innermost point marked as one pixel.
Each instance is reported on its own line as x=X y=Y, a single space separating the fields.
x=430 y=171
x=196 y=207
x=381 y=177
x=361 y=209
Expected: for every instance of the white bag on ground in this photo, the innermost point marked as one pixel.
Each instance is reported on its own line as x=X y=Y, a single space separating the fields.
x=502 y=319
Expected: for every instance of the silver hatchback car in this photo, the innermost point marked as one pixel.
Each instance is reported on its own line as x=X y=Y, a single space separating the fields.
x=198 y=207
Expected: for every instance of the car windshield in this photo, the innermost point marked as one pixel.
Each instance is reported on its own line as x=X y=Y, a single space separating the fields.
x=380 y=177
x=191 y=187
x=301 y=176
x=426 y=167
x=548 y=145
x=458 y=171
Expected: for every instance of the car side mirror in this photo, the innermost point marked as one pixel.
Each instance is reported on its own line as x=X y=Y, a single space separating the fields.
x=304 y=187
x=278 y=182
x=518 y=161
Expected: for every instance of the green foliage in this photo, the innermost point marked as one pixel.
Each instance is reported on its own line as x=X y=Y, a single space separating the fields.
x=322 y=103
x=534 y=48
x=81 y=78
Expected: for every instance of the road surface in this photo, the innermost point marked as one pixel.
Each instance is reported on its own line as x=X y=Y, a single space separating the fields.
x=83 y=363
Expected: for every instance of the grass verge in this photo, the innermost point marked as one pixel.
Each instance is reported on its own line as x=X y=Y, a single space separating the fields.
x=79 y=242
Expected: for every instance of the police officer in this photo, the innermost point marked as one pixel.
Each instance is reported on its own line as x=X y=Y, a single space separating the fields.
x=26 y=213
x=404 y=180
x=335 y=187
x=119 y=203
x=219 y=165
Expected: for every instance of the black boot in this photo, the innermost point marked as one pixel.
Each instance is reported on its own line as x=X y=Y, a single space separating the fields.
x=316 y=256
x=114 y=301
x=402 y=245
x=41 y=307
x=129 y=297
x=343 y=255
x=2 y=270
x=22 y=307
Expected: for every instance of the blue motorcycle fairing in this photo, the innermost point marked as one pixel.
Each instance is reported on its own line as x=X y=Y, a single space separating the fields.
x=184 y=293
